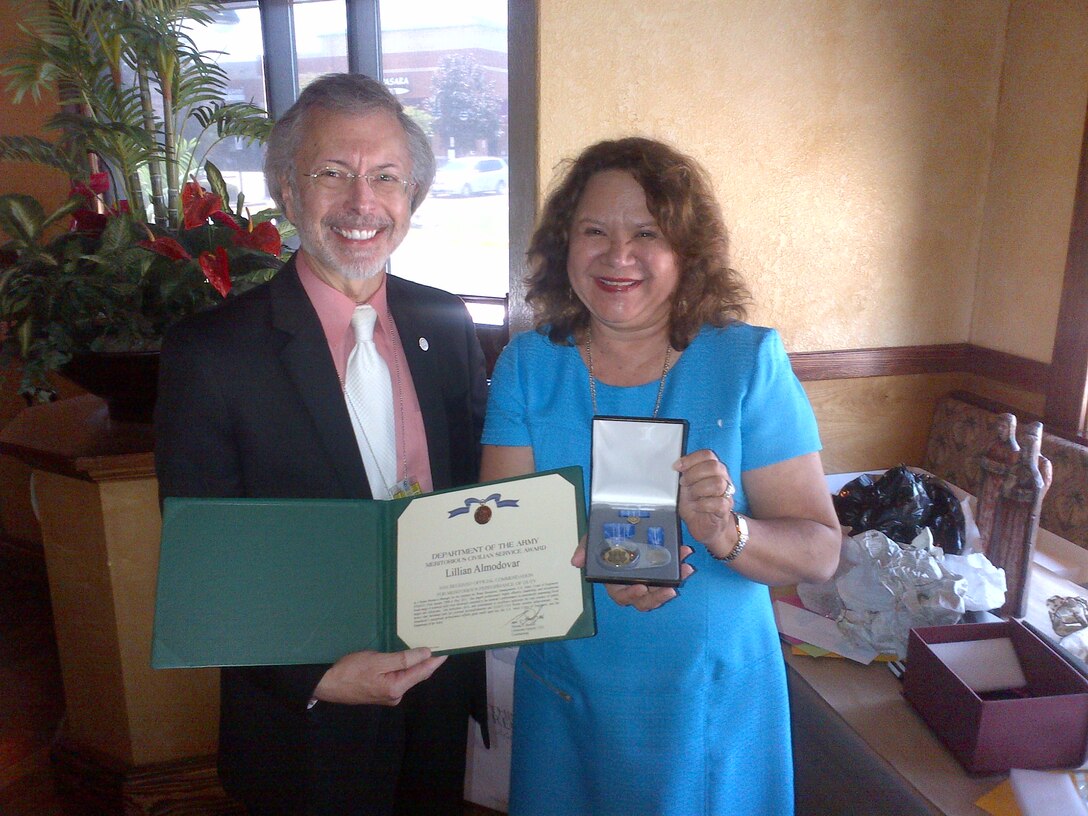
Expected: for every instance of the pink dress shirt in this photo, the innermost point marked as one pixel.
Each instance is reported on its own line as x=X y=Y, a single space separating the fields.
x=334 y=310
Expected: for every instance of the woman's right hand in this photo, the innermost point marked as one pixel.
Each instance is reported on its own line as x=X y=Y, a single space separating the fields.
x=641 y=597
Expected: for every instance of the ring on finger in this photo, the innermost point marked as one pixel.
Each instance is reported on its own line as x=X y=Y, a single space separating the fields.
x=730 y=490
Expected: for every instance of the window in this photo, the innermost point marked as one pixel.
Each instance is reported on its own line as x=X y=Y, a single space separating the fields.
x=236 y=35
x=448 y=65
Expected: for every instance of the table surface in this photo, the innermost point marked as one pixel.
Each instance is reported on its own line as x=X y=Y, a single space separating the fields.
x=869 y=698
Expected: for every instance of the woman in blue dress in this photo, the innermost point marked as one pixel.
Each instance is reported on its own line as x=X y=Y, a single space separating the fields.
x=678 y=705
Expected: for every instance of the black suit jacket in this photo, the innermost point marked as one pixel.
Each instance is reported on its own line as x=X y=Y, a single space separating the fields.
x=250 y=405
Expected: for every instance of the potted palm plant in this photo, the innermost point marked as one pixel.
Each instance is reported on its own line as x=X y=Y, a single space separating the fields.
x=150 y=233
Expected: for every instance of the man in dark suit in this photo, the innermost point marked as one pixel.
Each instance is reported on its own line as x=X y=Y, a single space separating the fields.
x=252 y=404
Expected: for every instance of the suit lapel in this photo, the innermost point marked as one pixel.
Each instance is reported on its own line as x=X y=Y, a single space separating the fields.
x=308 y=363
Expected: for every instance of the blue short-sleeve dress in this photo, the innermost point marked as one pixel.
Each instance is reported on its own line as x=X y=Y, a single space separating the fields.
x=683 y=710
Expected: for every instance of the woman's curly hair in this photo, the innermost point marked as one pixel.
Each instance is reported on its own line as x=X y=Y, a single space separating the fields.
x=679 y=197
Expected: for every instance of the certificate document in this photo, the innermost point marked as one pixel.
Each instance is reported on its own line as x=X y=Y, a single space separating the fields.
x=249 y=582
x=478 y=568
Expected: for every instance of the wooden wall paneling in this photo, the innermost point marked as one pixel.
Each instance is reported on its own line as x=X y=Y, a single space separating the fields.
x=1020 y=400
x=876 y=422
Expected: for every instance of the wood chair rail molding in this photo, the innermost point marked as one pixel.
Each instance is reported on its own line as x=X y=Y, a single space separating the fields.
x=963 y=358
x=891 y=361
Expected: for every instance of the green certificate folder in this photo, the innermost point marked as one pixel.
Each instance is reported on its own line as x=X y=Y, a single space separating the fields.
x=254 y=582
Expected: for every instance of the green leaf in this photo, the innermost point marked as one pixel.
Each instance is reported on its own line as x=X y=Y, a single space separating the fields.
x=218 y=185
x=64 y=210
x=18 y=305
x=34 y=150
x=25 y=333
x=21 y=217
x=119 y=235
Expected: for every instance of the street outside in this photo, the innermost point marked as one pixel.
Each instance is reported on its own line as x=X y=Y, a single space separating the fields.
x=458 y=244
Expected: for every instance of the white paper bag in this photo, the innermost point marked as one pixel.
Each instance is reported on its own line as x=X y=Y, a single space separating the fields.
x=487 y=771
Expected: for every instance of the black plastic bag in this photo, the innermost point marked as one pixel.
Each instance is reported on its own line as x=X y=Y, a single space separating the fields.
x=900 y=504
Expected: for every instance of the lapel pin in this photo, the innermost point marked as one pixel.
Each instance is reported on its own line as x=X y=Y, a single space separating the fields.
x=423 y=344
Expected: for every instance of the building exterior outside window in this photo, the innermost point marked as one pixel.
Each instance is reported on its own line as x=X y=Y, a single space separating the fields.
x=447 y=63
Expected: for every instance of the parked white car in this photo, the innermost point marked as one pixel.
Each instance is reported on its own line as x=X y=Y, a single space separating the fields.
x=470 y=175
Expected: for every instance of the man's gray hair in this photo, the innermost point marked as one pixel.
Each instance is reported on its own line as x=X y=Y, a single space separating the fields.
x=342 y=93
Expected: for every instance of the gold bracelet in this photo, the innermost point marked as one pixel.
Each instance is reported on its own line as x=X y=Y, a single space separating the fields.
x=741 y=523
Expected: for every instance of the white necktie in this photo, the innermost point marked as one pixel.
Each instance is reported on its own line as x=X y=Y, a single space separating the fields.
x=370 y=403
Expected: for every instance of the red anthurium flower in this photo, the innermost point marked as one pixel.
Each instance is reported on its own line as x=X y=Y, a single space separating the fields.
x=264 y=237
x=227 y=220
x=96 y=185
x=197 y=204
x=99 y=182
x=190 y=190
x=85 y=220
x=216 y=269
x=165 y=245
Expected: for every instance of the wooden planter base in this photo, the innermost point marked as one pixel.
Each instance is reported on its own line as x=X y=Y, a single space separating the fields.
x=187 y=787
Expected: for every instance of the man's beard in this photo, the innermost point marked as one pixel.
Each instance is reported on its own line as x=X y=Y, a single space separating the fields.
x=322 y=251
x=357 y=273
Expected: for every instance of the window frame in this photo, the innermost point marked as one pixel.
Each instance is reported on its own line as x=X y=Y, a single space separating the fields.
x=364 y=56
x=277 y=26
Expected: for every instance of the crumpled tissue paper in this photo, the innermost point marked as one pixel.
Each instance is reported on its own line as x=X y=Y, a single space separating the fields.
x=882 y=589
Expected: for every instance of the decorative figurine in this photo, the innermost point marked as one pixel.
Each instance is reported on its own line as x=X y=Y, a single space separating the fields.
x=1014 y=481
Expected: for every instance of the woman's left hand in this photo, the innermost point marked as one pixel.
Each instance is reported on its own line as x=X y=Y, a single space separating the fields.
x=641 y=597
x=706 y=495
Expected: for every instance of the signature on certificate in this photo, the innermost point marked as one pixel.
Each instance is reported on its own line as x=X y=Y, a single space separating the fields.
x=527 y=617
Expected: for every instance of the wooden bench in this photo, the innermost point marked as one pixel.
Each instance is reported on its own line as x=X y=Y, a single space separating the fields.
x=963 y=427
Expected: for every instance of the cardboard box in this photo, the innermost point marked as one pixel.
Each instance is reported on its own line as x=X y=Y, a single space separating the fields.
x=1042 y=724
x=634 y=525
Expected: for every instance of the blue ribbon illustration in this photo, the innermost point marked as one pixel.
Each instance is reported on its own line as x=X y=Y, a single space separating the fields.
x=495 y=497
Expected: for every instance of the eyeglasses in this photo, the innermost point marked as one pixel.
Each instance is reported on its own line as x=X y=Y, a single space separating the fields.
x=384 y=185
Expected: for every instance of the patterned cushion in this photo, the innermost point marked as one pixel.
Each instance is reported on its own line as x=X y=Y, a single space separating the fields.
x=959 y=435
x=1065 y=507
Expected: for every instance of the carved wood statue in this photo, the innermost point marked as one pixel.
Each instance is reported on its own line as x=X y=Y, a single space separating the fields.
x=1014 y=481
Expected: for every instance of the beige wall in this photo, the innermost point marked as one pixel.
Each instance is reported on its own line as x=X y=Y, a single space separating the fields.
x=16 y=517
x=853 y=148
x=27 y=118
x=1032 y=181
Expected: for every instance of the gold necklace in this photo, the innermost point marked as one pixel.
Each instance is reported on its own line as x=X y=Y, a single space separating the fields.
x=593 y=381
